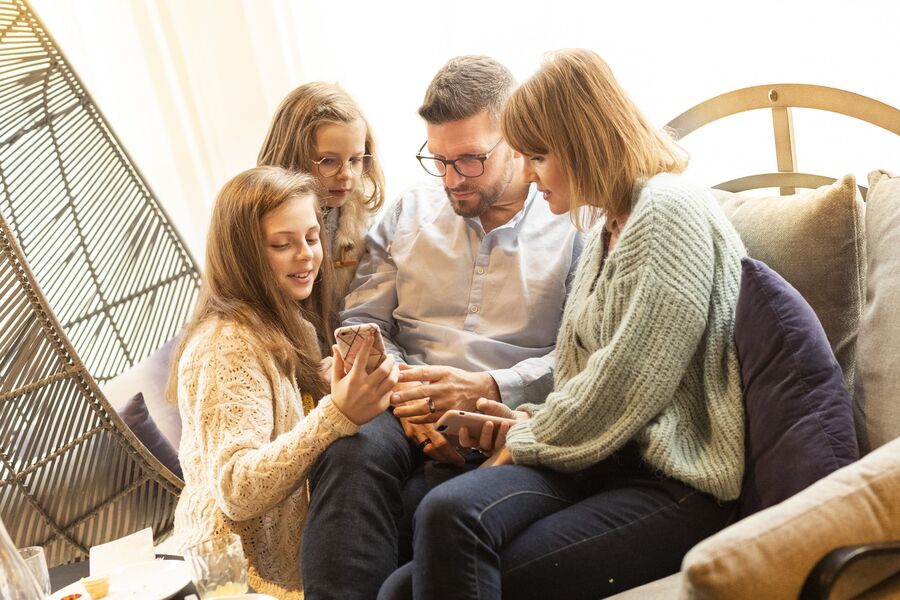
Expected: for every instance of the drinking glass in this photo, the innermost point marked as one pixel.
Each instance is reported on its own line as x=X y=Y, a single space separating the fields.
x=36 y=562
x=217 y=566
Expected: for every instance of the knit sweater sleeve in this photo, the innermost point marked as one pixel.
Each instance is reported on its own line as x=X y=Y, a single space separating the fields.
x=251 y=469
x=650 y=312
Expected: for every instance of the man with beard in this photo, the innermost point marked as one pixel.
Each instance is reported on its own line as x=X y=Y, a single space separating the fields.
x=467 y=279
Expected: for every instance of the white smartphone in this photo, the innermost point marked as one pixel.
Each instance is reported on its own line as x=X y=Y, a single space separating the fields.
x=350 y=339
x=452 y=420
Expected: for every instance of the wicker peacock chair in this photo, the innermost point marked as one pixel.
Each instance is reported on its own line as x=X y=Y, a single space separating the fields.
x=93 y=278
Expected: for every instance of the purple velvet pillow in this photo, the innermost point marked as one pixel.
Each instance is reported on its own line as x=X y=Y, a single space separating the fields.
x=138 y=419
x=799 y=414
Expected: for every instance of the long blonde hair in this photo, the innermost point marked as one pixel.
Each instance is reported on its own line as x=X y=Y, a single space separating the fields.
x=574 y=109
x=291 y=140
x=240 y=286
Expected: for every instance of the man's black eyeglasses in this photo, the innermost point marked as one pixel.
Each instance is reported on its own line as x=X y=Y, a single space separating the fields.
x=467 y=166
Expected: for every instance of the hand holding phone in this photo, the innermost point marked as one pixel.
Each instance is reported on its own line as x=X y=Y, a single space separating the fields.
x=350 y=339
x=452 y=420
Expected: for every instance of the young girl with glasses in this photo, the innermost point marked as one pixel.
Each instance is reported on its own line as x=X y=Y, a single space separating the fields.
x=256 y=413
x=638 y=452
x=319 y=129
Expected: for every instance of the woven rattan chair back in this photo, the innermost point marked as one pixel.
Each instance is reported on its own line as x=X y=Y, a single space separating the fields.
x=93 y=278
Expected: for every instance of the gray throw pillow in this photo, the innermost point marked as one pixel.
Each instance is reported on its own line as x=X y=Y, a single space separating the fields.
x=816 y=240
x=878 y=375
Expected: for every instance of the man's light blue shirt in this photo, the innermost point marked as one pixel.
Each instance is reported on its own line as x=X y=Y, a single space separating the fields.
x=444 y=292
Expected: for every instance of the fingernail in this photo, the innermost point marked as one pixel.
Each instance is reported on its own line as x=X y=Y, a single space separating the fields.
x=395 y=397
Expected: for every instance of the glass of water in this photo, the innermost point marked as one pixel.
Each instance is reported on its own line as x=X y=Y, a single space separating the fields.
x=217 y=566
x=36 y=562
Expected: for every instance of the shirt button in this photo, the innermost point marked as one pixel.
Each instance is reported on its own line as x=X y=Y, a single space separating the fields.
x=473 y=308
x=479 y=270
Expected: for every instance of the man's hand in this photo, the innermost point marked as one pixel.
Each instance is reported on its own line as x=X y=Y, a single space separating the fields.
x=433 y=444
x=426 y=437
x=441 y=389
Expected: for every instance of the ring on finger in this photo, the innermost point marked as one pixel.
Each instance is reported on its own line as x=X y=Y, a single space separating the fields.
x=431 y=406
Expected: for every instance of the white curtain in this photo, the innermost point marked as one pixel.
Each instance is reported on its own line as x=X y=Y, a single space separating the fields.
x=189 y=86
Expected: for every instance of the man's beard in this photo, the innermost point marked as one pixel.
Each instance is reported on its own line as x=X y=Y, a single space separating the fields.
x=486 y=197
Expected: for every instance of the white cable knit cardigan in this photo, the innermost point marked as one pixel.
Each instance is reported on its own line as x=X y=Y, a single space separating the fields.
x=246 y=449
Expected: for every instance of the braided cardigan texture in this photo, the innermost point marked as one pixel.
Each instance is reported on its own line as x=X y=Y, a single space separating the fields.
x=646 y=349
x=246 y=449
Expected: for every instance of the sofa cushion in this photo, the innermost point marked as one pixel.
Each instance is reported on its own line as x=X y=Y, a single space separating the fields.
x=815 y=240
x=150 y=377
x=799 y=415
x=878 y=375
x=661 y=589
x=137 y=417
x=769 y=554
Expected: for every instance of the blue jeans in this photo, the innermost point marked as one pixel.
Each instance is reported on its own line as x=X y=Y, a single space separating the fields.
x=349 y=543
x=364 y=490
x=523 y=532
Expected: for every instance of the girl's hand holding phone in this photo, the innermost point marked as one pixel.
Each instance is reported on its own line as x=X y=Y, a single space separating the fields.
x=359 y=395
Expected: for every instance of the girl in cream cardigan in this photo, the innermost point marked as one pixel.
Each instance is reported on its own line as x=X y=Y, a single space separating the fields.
x=638 y=452
x=256 y=412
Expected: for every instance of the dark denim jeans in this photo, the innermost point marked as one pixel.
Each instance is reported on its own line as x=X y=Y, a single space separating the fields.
x=364 y=490
x=350 y=537
x=522 y=532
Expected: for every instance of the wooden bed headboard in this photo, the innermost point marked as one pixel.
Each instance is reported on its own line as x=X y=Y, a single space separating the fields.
x=781 y=98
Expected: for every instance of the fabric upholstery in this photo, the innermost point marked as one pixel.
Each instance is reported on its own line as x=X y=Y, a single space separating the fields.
x=137 y=417
x=878 y=375
x=149 y=377
x=815 y=240
x=768 y=555
x=799 y=414
x=661 y=589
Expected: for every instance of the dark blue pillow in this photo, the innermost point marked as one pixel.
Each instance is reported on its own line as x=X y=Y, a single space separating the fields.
x=138 y=419
x=799 y=414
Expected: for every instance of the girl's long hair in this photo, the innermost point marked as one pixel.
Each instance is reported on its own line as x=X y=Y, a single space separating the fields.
x=291 y=140
x=240 y=286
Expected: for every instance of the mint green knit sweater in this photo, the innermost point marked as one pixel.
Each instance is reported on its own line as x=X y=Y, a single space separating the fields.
x=646 y=348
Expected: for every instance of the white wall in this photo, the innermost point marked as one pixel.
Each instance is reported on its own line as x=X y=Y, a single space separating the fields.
x=189 y=85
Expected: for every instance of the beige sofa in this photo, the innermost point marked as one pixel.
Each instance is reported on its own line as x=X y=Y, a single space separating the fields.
x=849 y=270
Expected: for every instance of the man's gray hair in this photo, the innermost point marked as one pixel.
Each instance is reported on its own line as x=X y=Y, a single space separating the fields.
x=466 y=86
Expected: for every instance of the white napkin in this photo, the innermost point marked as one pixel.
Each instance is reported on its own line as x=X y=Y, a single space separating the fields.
x=131 y=549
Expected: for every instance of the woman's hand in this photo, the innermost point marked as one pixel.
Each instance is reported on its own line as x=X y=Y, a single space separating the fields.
x=493 y=438
x=500 y=457
x=359 y=395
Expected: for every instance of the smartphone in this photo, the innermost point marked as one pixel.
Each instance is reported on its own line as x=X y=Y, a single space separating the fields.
x=451 y=421
x=350 y=339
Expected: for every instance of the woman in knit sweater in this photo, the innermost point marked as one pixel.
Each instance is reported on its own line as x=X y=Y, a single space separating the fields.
x=637 y=454
x=318 y=128
x=256 y=413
